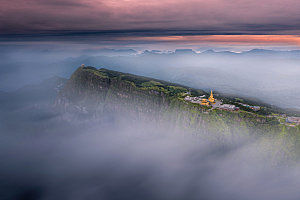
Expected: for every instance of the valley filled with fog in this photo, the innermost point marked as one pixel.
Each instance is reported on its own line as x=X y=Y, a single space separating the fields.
x=48 y=154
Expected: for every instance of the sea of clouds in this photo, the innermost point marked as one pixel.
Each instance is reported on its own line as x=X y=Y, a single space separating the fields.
x=48 y=155
x=52 y=155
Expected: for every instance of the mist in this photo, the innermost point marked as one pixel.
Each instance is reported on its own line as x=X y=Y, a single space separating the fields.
x=63 y=159
x=48 y=154
x=269 y=76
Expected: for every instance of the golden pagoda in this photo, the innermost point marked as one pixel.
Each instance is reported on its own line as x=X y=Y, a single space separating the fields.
x=204 y=102
x=211 y=99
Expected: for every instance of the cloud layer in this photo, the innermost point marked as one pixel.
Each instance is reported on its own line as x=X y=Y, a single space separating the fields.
x=215 y=16
x=50 y=156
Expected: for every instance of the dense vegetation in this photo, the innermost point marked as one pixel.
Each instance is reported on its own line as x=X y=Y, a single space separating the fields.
x=147 y=83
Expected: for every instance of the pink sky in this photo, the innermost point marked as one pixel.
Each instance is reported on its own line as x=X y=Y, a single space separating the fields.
x=183 y=17
x=242 y=16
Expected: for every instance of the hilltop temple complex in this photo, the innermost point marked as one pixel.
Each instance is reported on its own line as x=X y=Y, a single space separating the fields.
x=203 y=101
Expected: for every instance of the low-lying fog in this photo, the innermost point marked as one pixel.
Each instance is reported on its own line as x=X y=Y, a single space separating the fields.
x=49 y=155
x=46 y=155
x=54 y=159
x=271 y=76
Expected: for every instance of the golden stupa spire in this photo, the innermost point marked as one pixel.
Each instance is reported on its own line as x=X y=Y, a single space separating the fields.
x=211 y=99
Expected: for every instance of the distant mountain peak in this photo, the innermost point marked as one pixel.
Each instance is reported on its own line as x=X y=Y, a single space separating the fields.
x=208 y=51
x=185 y=51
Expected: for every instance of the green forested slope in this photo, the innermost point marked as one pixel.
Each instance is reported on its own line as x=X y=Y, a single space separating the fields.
x=101 y=92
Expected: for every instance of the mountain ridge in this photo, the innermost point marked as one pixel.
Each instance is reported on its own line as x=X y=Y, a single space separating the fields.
x=103 y=94
x=99 y=88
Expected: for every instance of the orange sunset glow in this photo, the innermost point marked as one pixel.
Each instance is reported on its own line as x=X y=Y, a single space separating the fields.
x=293 y=40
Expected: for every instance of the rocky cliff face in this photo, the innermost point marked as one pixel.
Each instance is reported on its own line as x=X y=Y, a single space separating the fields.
x=103 y=92
x=89 y=91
